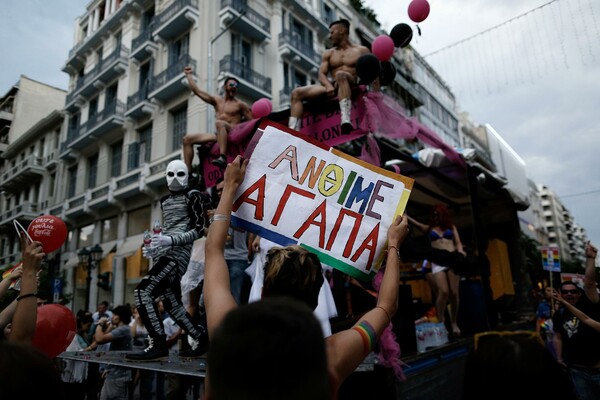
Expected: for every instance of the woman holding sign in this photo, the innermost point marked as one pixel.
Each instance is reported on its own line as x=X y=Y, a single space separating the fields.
x=290 y=272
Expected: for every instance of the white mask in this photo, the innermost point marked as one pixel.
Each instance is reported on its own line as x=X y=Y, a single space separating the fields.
x=177 y=175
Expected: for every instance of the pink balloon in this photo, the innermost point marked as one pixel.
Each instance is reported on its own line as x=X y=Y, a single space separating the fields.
x=418 y=10
x=55 y=329
x=261 y=108
x=383 y=47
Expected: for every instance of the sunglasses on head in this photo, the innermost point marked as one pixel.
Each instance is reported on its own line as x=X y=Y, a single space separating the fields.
x=232 y=84
x=567 y=291
x=481 y=338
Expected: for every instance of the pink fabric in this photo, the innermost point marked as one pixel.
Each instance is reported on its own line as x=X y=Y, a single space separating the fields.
x=372 y=112
x=389 y=348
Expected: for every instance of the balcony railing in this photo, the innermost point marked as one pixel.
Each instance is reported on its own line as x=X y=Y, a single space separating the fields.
x=238 y=69
x=176 y=18
x=24 y=170
x=293 y=47
x=164 y=85
x=252 y=24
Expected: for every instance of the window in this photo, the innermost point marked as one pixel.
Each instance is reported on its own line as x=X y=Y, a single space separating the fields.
x=328 y=14
x=109 y=229
x=111 y=96
x=92 y=171
x=93 y=108
x=138 y=220
x=116 y=151
x=178 y=49
x=52 y=186
x=140 y=151
x=179 y=126
x=86 y=236
x=144 y=78
x=147 y=19
x=72 y=181
x=241 y=50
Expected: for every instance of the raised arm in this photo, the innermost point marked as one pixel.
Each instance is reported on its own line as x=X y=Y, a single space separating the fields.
x=346 y=349
x=583 y=317
x=25 y=317
x=590 y=273
x=208 y=98
x=217 y=291
x=14 y=275
x=417 y=224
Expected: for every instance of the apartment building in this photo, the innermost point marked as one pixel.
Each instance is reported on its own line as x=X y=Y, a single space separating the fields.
x=31 y=118
x=555 y=221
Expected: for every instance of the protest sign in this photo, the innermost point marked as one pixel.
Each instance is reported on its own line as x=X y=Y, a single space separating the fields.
x=300 y=191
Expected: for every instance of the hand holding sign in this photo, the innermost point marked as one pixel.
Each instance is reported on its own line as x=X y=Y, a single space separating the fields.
x=51 y=231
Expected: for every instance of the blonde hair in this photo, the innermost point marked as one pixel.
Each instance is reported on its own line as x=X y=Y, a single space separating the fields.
x=294 y=272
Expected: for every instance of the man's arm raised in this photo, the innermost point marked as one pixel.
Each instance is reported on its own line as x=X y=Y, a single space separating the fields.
x=212 y=100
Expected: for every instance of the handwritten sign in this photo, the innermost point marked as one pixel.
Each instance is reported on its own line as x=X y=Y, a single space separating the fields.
x=300 y=191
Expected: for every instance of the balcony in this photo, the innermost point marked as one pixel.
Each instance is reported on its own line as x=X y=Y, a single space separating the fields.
x=75 y=207
x=138 y=104
x=251 y=24
x=293 y=49
x=100 y=197
x=253 y=84
x=176 y=19
x=104 y=72
x=154 y=174
x=128 y=185
x=114 y=65
x=284 y=96
x=25 y=211
x=98 y=126
x=31 y=169
x=170 y=82
x=142 y=46
x=51 y=161
x=308 y=15
x=76 y=59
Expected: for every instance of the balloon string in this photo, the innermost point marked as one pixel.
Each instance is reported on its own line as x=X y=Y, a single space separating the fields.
x=19 y=228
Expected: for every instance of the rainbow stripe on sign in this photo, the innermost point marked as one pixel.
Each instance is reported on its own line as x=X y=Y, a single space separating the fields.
x=550 y=259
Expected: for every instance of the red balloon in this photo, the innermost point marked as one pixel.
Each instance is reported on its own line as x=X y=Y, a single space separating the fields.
x=54 y=330
x=383 y=47
x=262 y=108
x=418 y=10
x=51 y=231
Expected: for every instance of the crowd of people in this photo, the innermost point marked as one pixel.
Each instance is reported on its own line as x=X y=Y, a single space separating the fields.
x=275 y=348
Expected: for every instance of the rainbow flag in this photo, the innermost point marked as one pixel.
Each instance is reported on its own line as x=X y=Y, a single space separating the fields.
x=6 y=273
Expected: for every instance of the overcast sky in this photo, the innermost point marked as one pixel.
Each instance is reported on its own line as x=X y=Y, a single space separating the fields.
x=535 y=79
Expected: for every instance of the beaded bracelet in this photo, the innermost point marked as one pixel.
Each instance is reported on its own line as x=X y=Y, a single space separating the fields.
x=24 y=296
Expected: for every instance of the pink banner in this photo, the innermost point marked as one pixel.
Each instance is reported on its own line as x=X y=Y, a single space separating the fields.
x=372 y=113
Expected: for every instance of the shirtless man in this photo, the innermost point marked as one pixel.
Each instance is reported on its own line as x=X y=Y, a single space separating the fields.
x=230 y=112
x=339 y=62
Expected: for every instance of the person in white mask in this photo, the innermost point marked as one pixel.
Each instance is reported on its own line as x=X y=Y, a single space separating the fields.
x=183 y=223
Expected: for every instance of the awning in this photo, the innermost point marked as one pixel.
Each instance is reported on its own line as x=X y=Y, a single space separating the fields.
x=72 y=262
x=130 y=245
x=108 y=247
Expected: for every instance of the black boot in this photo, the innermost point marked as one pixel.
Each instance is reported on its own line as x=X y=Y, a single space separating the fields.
x=156 y=350
x=220 y=162
x=197 y=347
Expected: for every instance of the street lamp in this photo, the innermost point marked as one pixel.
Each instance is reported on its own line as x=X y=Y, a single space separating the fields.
x=89 y=257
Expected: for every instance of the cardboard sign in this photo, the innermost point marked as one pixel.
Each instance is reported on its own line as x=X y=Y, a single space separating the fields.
x=300 y=191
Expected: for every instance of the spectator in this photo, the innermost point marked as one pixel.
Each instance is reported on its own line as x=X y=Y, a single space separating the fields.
x=543 y=320
x=102 y=311
x=292 y=272
x=508 y=364
x=74 y=374
x=116 y=332
x=576 y=342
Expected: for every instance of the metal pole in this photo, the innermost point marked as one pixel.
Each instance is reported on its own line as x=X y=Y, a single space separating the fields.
x=88 y=284
x=209 y=73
